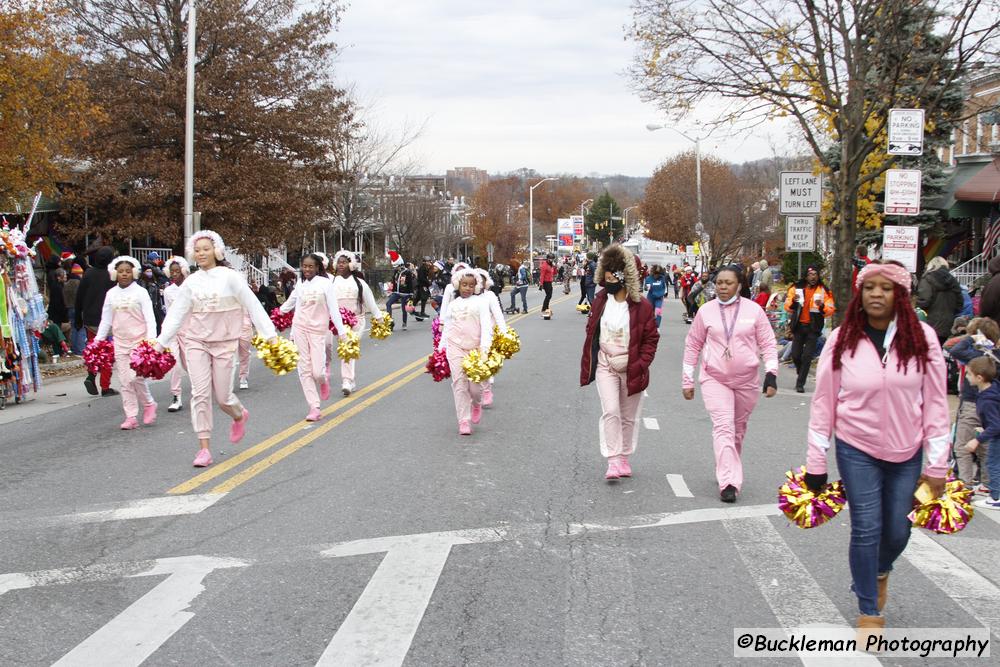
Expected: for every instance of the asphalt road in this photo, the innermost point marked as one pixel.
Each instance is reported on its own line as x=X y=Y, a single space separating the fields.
x=380 y=536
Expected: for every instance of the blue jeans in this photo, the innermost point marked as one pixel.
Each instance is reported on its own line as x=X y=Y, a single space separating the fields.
x=879 y=496
x=590 y=294
x=523 y=290
x=657 y=303
x=993 y=467
x=77 y=337
x=397 y=297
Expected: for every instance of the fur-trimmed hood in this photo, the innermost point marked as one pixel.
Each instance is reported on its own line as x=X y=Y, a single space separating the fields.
x=619 y=258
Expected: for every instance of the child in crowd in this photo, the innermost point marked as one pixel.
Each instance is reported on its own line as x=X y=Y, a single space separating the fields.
x=467 y=328
x=982 y=371
x=981 y=333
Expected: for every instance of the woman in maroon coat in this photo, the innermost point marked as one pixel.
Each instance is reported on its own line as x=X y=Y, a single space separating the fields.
x=620 y=346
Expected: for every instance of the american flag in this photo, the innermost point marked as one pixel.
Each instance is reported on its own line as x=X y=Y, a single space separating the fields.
x=992 y=234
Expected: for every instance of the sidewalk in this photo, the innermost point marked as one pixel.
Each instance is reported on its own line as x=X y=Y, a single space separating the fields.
x=55 y=394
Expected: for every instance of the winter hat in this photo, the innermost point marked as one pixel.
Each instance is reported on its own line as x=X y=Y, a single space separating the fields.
x=113 y=267
x=394 y=258
x=220 y=246
x=66 y=257
x=179 y=261
x=77 y=270
x=153 y=256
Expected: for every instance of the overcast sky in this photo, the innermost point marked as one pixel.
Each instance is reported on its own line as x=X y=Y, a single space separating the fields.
x=512 y=83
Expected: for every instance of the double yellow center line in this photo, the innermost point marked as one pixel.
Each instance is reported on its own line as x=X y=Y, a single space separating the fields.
x=374 y=393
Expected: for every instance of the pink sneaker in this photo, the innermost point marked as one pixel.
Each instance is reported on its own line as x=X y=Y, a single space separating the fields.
x=324 y=390
x=314 y=415
x=464 y=428
x=613 y=472
x=204 y=458
x=238 y=428
x=624 y=469
x=477 y=412
x=487 y=396
x=149 y=414
x=129 y=424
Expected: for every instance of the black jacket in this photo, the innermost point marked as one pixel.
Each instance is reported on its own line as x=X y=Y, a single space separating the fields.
x=989 y=303
x=940 y=295
x=57 y=306
x=95 y=284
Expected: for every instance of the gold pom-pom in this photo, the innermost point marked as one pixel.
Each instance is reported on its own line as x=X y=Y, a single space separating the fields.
x=381 y=327
x=507 y=343
x=350 y=347
x=281 y=356
x=479 y=368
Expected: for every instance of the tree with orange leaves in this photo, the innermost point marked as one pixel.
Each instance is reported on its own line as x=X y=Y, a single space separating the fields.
x=498 y=217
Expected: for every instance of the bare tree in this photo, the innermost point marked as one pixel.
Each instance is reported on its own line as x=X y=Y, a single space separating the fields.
x=411 y=220
x=835 y=67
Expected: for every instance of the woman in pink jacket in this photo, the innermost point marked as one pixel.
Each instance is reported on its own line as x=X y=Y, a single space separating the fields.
x=315 y=306
x=730 y=334
x=881 y=387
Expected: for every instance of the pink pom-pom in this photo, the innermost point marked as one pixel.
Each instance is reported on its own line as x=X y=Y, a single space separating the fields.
x=148 y=363
x=437 y=366
x=436 y=328
x=410 y=308
x=98 y=356
x=948 y=514
x=281 y=320
x=806 y=508
x=348 y=317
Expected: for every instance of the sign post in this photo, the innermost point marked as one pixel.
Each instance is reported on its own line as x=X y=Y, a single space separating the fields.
x=906 y=132
x=800 y=235
x=901 y=244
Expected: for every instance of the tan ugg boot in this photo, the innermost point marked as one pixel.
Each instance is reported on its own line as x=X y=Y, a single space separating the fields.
x=869 y=626
x=883 y=590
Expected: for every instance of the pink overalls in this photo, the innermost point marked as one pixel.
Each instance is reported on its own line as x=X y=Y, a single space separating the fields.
x=180 y=368
x=246 y=335
x=467 y=329
x=346 y=291
x=314 y=305
x=128 y=316
x=730 y=340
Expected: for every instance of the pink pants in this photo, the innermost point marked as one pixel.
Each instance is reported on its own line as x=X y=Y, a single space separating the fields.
x=134 y=389
x=246 y=335
x=347 y=367
x=466 y=392
x=730 y=411
x=312 y=363
x=331 y=352
x=210 y=366
x=179 y=369
x=619 y=411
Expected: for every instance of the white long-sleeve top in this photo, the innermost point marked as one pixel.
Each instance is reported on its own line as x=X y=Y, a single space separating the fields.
x=128 y=314
x=315 y=304
x=346 y=291
x=215 y=299
x=496 y=310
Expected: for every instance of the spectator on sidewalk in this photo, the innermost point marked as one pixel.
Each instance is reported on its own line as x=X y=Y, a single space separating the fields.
x=78 y=336
x=89 y=304
x=982 y=372
x=940 y=295
x=982 y=334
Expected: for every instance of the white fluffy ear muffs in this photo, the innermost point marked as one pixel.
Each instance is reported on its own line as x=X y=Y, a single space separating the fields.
x=113 y=267
x=179 y=261
x=352 y=258
x=217 y=242
x=326 y=260
x=484 y=275
x=456 y=277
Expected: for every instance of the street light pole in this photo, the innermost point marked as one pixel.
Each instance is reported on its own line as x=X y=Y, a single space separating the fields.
x=531 y=223
x=189 y=128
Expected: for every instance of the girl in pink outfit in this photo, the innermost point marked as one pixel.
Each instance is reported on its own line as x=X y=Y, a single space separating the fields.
x=215 y=296
x=128 y=316
x=730 y=333
x=618 y=350
x=177 y=269
x=468 y=328
x=315 y=305
x=245 y=346
x=356 y=296
x=496 y=319
x=880 y=387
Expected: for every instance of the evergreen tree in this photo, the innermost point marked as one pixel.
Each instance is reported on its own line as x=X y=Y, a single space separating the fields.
x=600 y=221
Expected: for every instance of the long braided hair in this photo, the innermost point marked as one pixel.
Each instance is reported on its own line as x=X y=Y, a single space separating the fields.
x=909 y=341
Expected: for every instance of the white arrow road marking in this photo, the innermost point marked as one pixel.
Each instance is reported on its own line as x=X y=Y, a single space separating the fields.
x=145 y=508
x=679 y=487
x=651 y=423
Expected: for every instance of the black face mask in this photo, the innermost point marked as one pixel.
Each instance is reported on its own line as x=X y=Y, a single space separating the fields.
x=613 y=288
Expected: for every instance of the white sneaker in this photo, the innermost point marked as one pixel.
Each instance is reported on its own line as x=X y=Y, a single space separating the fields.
x=987 y=503
x=176 y=405
x=244 y=383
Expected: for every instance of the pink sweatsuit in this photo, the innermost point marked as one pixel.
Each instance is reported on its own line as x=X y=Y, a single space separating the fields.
x=730 y=382
x=215 y=300
x=315 y=305
x=468 y=329
x=346 y=291
x=128 y=316
x=246 y=335
x=180 y=368
x=879 y=409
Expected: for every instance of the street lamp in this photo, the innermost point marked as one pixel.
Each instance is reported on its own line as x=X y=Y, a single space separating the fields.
x=625 y=213
x=531 y=222
x=652 y=127
x=189 y=129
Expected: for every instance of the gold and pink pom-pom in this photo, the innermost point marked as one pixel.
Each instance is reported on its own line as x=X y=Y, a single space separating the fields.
x=281 y=320
x=806 y=508
x=479 y=367
x=948 y=514
x=280 y=356
x=98 y=356
x=437 y=366
x=381 y=327
x=148 y=363
x=349 y=348
x=507 y=343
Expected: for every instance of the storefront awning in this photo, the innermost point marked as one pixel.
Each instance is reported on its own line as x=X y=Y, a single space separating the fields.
x=984 y=186
x=947 y=203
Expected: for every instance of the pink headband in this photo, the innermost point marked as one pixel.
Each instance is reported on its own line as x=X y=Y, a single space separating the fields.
x=893 y=272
